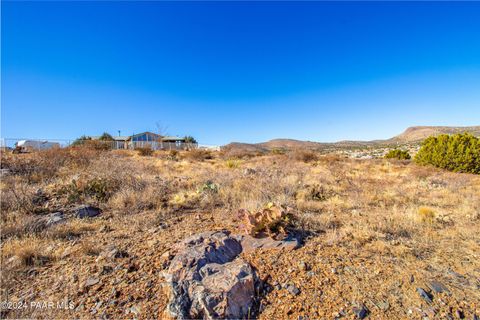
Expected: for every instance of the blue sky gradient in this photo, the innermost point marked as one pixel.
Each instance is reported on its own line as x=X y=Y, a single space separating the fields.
x=238 y=71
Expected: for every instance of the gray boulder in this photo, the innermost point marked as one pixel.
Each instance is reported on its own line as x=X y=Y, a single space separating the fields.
x=207 y=279
x=86 y=211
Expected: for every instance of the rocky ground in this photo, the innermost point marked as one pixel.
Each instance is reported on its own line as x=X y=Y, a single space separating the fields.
x=380 y=239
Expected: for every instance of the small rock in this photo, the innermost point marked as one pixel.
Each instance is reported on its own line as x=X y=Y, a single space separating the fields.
x=431 y=312
x=106 y=270
x=105 y=229
x=334 y=271
x=425 y=295
x=54 y=218
x=91 y=282
x=438 y=287
x=303 y=266
x=383 y=305
x=292 y=289
x=360 y=312
x=249 y=171
x=134 y=310
x=14 y=262
x=86 y=211
x=112 y=252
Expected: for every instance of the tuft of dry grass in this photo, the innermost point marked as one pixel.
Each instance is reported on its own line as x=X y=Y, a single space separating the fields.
x=426 y=215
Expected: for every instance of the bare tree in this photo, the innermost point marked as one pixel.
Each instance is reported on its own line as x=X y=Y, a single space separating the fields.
x=161 y=131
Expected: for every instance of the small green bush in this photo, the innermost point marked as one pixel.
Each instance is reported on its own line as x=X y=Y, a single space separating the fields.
x=459 y=152
x=398 y=154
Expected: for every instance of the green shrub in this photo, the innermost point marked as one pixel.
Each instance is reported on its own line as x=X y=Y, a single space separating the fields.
x=190 y=139
x=459 y=152
x=105 y=137
x=277 y=151
x=80 y=141
x=398 y=154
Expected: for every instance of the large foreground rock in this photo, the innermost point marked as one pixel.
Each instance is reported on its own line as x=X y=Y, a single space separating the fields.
x=207 y=279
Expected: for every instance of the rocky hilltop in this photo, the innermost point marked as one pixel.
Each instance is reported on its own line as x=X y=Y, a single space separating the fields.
x=412 y=135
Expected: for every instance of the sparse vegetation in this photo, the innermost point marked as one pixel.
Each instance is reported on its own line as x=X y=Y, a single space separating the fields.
x=370 y=216
x=459 y=152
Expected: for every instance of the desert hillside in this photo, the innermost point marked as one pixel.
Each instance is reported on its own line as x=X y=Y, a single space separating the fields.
x=415 y=134
x=412 y=135
x=104 y=232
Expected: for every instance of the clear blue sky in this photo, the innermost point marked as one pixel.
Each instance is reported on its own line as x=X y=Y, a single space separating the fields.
x=246 y=71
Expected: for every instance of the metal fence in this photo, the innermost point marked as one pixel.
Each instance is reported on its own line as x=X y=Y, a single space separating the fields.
x=36 y=144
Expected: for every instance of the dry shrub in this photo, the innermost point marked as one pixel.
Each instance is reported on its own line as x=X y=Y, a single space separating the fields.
x=26 y=252
x=89 y=249
x=98 y=189
x=198 y=155
x=21 y=197
x=303 y=155
x=232 y=153
x=135 y=200
x=145 y=151
x=98 y=145
x=315 y=192
x=45 y=165
x=172 y=155
x=426 y=215
x=330 y=158
x=72 y=229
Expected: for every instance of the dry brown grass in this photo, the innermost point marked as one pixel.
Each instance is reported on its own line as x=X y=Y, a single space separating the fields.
x=198 y=155
x=396 y=213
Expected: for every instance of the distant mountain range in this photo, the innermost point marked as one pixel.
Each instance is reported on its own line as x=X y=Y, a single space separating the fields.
x=412 y=135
